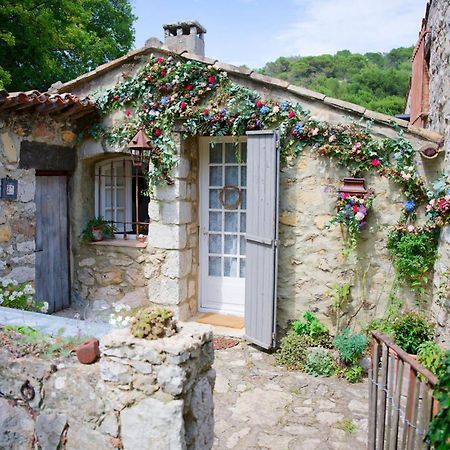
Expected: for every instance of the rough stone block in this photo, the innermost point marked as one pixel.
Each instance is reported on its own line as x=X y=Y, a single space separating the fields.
x=167 y=236
x=171 y=192
x=16 y=427
x=81 y=437
x=167 y=291
x=5 y=233
x=176 y=212
x=177 y=264
x=49 y=428
x=172 y=379
x=164 y=431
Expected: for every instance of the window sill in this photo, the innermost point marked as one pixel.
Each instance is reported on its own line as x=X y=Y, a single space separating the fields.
x=134 y=243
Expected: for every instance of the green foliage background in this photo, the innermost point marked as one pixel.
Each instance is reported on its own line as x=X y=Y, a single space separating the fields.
x=43 y=41
x=378 y=81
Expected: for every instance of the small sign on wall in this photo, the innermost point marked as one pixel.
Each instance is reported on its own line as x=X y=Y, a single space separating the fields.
x=8 y=189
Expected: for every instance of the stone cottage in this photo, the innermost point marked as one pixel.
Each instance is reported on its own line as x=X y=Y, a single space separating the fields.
x=232 y=232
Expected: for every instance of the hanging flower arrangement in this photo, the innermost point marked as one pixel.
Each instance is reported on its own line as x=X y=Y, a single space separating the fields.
x=352 y=213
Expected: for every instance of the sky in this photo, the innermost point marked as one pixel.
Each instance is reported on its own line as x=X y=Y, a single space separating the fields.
x=254 y=32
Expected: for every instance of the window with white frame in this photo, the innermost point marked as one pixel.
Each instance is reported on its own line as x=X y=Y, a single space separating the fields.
x=119 y=196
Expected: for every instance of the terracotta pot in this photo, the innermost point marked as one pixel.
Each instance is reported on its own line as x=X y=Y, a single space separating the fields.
x=97 y=234
x=353 y=186
x=88 y=352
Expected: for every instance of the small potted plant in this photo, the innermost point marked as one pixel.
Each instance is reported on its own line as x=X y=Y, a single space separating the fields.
x=97 y=229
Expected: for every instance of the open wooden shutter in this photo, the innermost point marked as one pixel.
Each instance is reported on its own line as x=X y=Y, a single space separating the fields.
x=261 y=236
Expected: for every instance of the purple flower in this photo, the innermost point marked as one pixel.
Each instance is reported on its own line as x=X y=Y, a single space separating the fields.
x=285 y=105
x=363 y=209
x=258 y=123
x=348 y=206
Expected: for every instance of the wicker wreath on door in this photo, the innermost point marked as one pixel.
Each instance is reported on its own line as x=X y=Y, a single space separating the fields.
x=226 y=189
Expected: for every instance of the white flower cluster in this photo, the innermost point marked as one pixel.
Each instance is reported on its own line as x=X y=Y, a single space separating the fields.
x=119 y=319
x=19 y=295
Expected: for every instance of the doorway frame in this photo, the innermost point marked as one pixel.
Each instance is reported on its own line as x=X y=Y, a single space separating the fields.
x=203 y=143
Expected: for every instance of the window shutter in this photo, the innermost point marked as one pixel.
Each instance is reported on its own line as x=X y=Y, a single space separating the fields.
x=261 y=236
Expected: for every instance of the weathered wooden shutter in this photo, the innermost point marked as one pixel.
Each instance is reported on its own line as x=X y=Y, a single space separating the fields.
x=52 y=257
x=261 y=236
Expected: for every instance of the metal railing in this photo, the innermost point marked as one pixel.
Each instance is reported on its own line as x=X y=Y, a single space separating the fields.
x=401 y=402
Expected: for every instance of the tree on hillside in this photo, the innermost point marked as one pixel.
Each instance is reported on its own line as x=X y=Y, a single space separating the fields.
x=43 y=41
x=378 y=81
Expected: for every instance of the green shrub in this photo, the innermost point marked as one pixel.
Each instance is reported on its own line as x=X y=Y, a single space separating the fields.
x=319 y=363
x=384 y=326
x=438 y=436
x=19 y=296
x=310 y=326
x=292 y=351
x=354 y=373
x=431 y=356
x=410 y=330
x=350 y=345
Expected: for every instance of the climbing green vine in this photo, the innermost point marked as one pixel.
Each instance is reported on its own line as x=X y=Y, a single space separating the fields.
x=168 y=90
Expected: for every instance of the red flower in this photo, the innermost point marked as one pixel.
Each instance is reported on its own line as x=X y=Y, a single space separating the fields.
x=128 y=112
x=183 y=105
x=160 y=59
x=189 y=87
x=375 y=162
x=163 y=73
x=157 y=132
x=212 y=79
x=291 y=114
x=346 y=195
x=116 y=97
x=355 y=209
x=206 y=112
x=259 y=104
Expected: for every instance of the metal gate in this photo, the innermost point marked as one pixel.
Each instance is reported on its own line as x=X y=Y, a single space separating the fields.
x=401 y=402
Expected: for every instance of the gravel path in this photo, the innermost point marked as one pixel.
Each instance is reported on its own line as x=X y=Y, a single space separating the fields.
x=261 y=406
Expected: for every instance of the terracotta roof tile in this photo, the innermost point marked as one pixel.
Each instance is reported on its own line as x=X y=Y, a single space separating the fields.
x=65 y=105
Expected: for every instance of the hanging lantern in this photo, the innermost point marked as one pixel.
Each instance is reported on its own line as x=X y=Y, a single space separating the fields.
x=353 y=186
x=137 y=145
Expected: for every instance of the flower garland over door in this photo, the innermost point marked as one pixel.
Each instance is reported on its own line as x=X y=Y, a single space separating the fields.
x=167 y=90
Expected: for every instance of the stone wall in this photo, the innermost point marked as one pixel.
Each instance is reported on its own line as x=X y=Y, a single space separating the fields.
x=439 y=120
x=109 y=273
x=17 y=217
x=311 y=264
x=141 y=394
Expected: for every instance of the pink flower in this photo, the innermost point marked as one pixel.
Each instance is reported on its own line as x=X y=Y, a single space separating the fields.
x=189 y=87
x=163 y=73
x=206 y=112
x=212 y=79
x=159 y=59
x=183 y=105
x=128 y=112
x=359 y=216
x=291 y=114
x=332 y=138
x=315 y=132
x=411 y=228
x=157 y=132
x=346 y=195
x=375 y=162
x=276 y=109
x=355 y=209
x=259 y=104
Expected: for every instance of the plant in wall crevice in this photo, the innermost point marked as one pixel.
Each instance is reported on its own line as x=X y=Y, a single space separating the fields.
x=414 y=252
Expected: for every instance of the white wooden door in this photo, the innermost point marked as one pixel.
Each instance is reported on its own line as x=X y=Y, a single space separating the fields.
x=223 y=204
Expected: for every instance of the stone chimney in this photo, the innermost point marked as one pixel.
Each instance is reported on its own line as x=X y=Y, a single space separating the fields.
x=188 y=35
